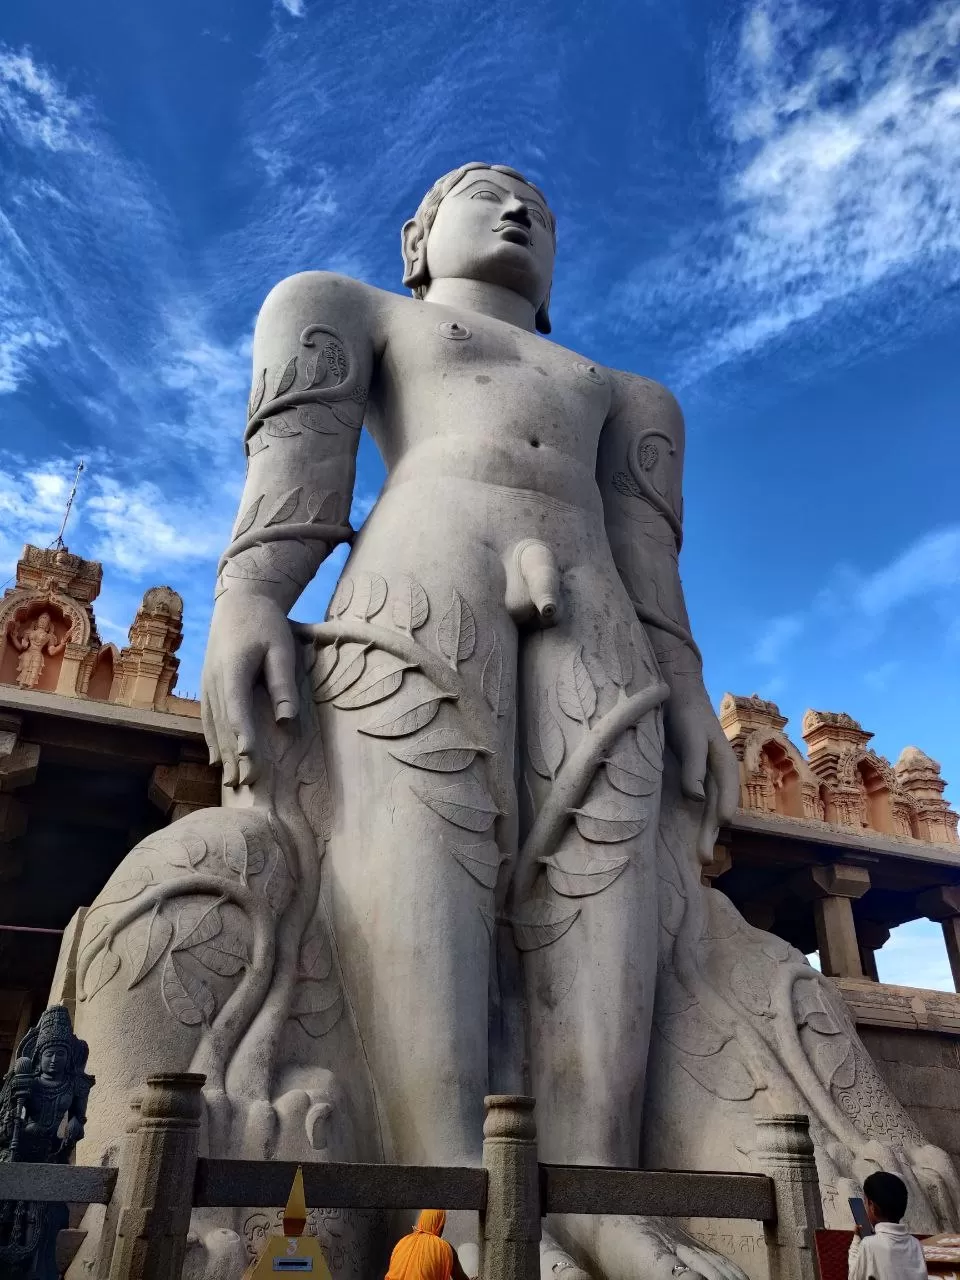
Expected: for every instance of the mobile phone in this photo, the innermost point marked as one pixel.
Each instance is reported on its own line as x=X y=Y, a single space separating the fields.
x=859 y=1211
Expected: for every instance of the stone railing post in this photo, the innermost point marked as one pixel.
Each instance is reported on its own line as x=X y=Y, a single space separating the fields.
x=510 y=1224
x=108 y=1233
x=786 y=1155
x=156 y=1180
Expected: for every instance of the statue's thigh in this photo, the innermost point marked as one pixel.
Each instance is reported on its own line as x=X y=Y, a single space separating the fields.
x=422 y=805
x=591 y=989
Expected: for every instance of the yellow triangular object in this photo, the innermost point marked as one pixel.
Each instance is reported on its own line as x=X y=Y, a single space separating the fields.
x=295 y=1214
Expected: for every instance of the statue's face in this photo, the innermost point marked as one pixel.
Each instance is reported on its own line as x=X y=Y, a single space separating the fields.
x=495 y=229
x=43 y=622
x=53 y=1061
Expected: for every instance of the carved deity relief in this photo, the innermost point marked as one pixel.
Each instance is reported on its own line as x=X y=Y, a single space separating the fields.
x=33 y=640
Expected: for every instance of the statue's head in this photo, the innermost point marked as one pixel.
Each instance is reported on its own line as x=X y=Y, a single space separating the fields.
x=483 y=222
x=43 y=622
x=55 y=1043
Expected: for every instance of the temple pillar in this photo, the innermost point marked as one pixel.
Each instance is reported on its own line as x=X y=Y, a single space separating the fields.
x=871 y=937
x=68 y=679
x=835 y=887
x=943 y=905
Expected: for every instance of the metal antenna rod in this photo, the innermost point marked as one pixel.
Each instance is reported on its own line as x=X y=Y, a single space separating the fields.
x=58 y=544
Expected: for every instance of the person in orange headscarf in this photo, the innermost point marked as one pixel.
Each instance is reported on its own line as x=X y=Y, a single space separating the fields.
x=422 y=1255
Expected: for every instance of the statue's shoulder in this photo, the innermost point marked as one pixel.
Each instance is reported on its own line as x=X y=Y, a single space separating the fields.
x=327 y=296
x=642 y=403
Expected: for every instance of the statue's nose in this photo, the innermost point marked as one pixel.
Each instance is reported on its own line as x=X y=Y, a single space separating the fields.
x=517 y=212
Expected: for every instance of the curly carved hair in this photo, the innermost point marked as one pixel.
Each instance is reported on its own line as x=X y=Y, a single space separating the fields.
x=415 y=277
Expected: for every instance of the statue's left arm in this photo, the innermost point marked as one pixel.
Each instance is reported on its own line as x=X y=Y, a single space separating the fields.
x=640 y=472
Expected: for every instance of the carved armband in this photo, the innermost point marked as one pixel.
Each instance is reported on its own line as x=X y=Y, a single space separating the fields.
x=301 y=446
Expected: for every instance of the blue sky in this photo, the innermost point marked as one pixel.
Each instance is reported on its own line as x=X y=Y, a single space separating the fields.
x=758 y=203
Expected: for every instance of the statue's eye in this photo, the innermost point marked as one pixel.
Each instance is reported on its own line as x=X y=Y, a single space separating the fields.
x=485 y=194
x=535 y=213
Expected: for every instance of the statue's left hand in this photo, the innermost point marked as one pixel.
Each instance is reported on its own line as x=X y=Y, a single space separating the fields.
x=707 y=762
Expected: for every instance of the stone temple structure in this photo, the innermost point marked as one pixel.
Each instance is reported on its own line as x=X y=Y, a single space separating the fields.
x=470 y=820
x=96 y=751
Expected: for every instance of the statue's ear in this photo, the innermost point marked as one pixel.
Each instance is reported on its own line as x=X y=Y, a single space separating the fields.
x=542 y=319
x=414 y=246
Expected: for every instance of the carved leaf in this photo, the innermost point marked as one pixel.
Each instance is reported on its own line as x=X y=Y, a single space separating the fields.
x=811 y=1011
x=370 y=595
x=92 y=930
x=323 y=507
x=286 y=378
x=466 y=803
x=342 y=597
x=256 y=395
x=443 y=751
x=628 y=770
x=239 y=857
x=398 y=724
x=351 y=661
x=834 y=1062
x=316 y=956
x=598 y=874
x=317 y=418
x=382 y=677
x=491 y=681
x=104 y=966
x=723 y=1075
x=607 y=821
x=226 y=955
x=693 y=1032
x=539 y=922
x=650 y=744
x=323 y=668
x=316 y=372
x=618 y=657
x=576 y=692
x=248 y=517
x=750 y=989
x=279 y=427
x=545 y=743
x=145 y=946
x=317 y=807
x=124 y=890
x=285 y=507
x=457 y=632
x=206 y=928
x=196 y=849
x=482 y=861
x=316 y=1021
x=185 y=994
x=411 y=608
x=257 y=444
x=312 y=766
x=279 y=885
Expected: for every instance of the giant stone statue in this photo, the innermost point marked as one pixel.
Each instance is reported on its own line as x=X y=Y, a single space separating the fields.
x=464 y=817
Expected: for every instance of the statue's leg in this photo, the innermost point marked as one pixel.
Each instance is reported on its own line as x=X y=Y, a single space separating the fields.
x=591 y=973
x=411 y=681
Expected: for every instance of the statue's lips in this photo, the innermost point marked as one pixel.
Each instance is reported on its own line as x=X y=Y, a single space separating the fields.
x=514 y=233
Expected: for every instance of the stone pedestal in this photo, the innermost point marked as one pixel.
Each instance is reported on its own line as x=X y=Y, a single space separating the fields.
x=510 y=1224
x=157 y=1180
x=786 y=1155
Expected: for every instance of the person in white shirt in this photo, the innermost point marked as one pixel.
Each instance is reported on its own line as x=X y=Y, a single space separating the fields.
x=891 y=1253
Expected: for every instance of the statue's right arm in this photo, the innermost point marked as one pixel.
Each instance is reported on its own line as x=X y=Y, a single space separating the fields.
x=313 y=358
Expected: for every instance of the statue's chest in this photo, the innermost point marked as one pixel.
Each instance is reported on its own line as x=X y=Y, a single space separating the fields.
x=498 y=370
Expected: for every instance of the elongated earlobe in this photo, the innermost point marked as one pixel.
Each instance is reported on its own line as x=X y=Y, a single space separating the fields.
x=414 y=248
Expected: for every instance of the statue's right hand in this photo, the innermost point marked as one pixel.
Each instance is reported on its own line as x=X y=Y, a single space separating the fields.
x=249 y=637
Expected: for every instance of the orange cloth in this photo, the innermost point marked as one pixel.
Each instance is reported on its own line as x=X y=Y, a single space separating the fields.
x=422 y=1255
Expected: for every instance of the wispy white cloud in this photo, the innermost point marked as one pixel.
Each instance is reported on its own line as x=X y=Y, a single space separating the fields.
x=35 y=108
x=294 y=7
x=856 y=603
x=775 y=637
x=843 y=179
